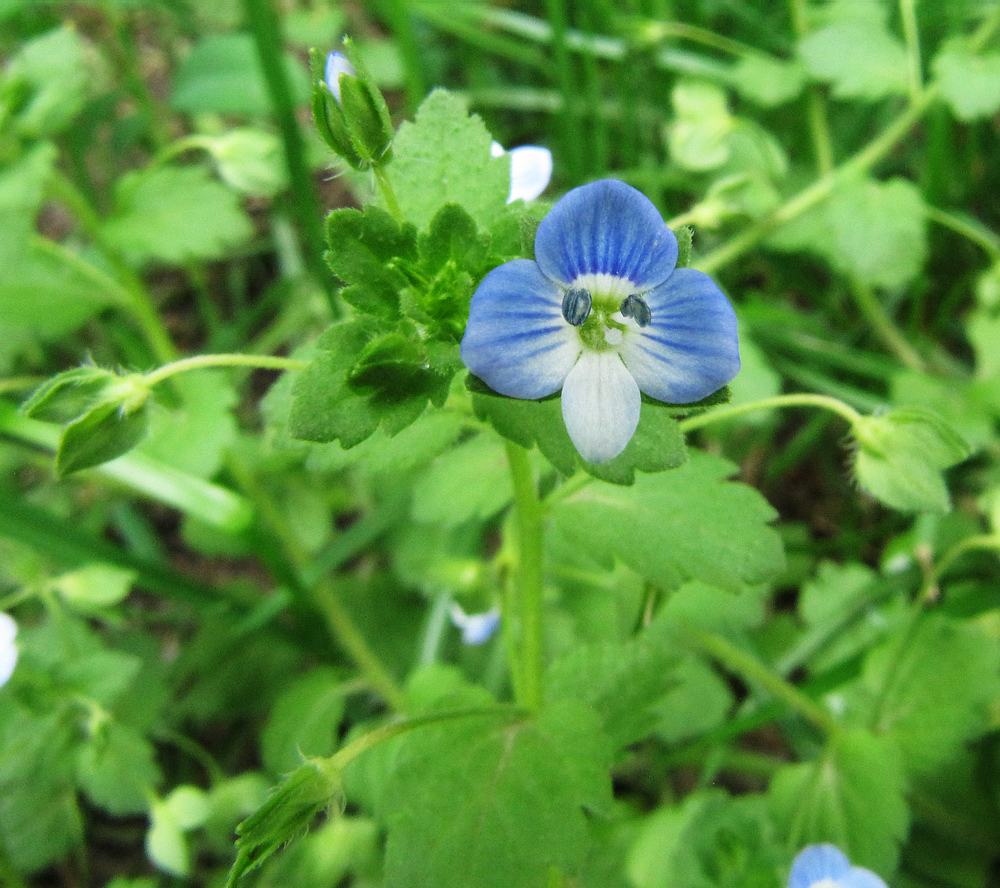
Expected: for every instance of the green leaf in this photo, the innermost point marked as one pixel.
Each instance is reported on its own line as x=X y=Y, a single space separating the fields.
x=117 y=769
x=492 y=803
x=222 y=75
x=100 y=435
x=860 y=58
x=969 y=83
x=699 y=701
x=699 y=136
x=657 y=444
x=469 y=481
x=929 y=690
x=766 y=81
x=54 y=75
x=160 y=214
x=94 y=586
x=443 y=157
x=249 y=160
x=689 y=523
x=878 y=231
x=285 y=816
x=364 y=247
x=68 y=394
x=853 y=797
x=901 y=456
x=304 y=722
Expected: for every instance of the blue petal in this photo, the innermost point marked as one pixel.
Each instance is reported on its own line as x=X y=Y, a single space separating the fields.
x=859 y=877
x=517 y=340
x=606 y=227
x=600 y=405
x=817 y=863
x=690 y=347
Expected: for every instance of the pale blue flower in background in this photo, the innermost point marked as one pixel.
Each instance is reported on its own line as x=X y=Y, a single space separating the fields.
x=337 y=64
x=475 y=628
x=826 y=866
x=604 y=315
x=530 y=170
x=8 y=650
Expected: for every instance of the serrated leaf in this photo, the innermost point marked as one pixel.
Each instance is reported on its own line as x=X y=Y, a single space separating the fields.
x=117 y=769
x=928 y=690
x=494 y=803
x=443 y=157
x=304 y=721
x=969 y=82
x=853 y=797
x=901 y=456
x=860 y=58
x=100 y=435
x=657 y=444
x=160 y=214
x=363 y=250
x=878 y=230
x=687 y=524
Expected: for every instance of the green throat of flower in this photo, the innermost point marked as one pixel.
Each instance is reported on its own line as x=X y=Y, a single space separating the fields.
x=594 y=316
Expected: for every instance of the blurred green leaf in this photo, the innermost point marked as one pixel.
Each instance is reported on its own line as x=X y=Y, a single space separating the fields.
x=766 y=81
x=221 y=74
x=160 y=215
x=443 y=157
x=95 y=586
x=304 y=722
x=970 y=83
x=861 y=59
x=699 y=134
x=117 y=769
x=249 y=160
x=853 y=796
x=100 y=435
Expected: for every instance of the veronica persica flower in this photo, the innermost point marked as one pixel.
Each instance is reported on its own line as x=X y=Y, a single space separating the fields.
x=8 y=650
x=475 y=628
x=603 y=314
x=826 y=866
x=530 y=170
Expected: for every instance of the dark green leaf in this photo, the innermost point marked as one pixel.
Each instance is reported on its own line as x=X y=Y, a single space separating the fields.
x=100 y=435
x=68 y=394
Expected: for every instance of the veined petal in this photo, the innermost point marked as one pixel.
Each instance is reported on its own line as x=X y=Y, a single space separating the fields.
x=606 y=228
x=600 y=405
x=530 y=172
x=517 y=340
x=818 y=865
x=690 y=347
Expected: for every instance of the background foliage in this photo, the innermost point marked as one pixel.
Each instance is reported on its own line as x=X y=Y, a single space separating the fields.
x=785 y=632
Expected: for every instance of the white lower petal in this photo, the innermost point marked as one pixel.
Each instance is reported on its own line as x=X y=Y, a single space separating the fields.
x=600 y=405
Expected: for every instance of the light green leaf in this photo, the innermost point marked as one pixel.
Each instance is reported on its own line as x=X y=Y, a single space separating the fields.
x=443 y=157
x=304 y=721
x=699 y=135
x=222 y=75
x=117 y=769
x=494 y=803
x=929 y=690
x=166 y=845
x=861 y=59
x=699 y=700
x=95 y=586
x=970 y=83
x=687 y=524
x=249 y=160
x=878 y=231
x=901 y=456
x=853 y=796
x=766 y=81
x=160 y=214
x=468 y=481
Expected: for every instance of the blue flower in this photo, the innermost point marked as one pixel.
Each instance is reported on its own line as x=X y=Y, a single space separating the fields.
x=8 y=650
x=336 y=65
x=603 y=314
x=826 y=866
x=530 y=170
x=475 y=628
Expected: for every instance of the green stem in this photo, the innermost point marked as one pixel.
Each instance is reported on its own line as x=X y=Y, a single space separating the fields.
x=388 y=193
x=970 y=229
x=265 y=26
x=985 y=542
x=529 y=517
x=750 y=668
x=197 y=362
x=795 y=400
x=883 y=327
x=911 y=33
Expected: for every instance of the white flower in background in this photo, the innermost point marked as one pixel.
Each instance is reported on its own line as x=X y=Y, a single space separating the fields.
x=530 y=170
x=8 y=650
x=475 y=628
x=826 y=866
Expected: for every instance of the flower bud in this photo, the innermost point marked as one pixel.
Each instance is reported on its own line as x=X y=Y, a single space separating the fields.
x=349 y=111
